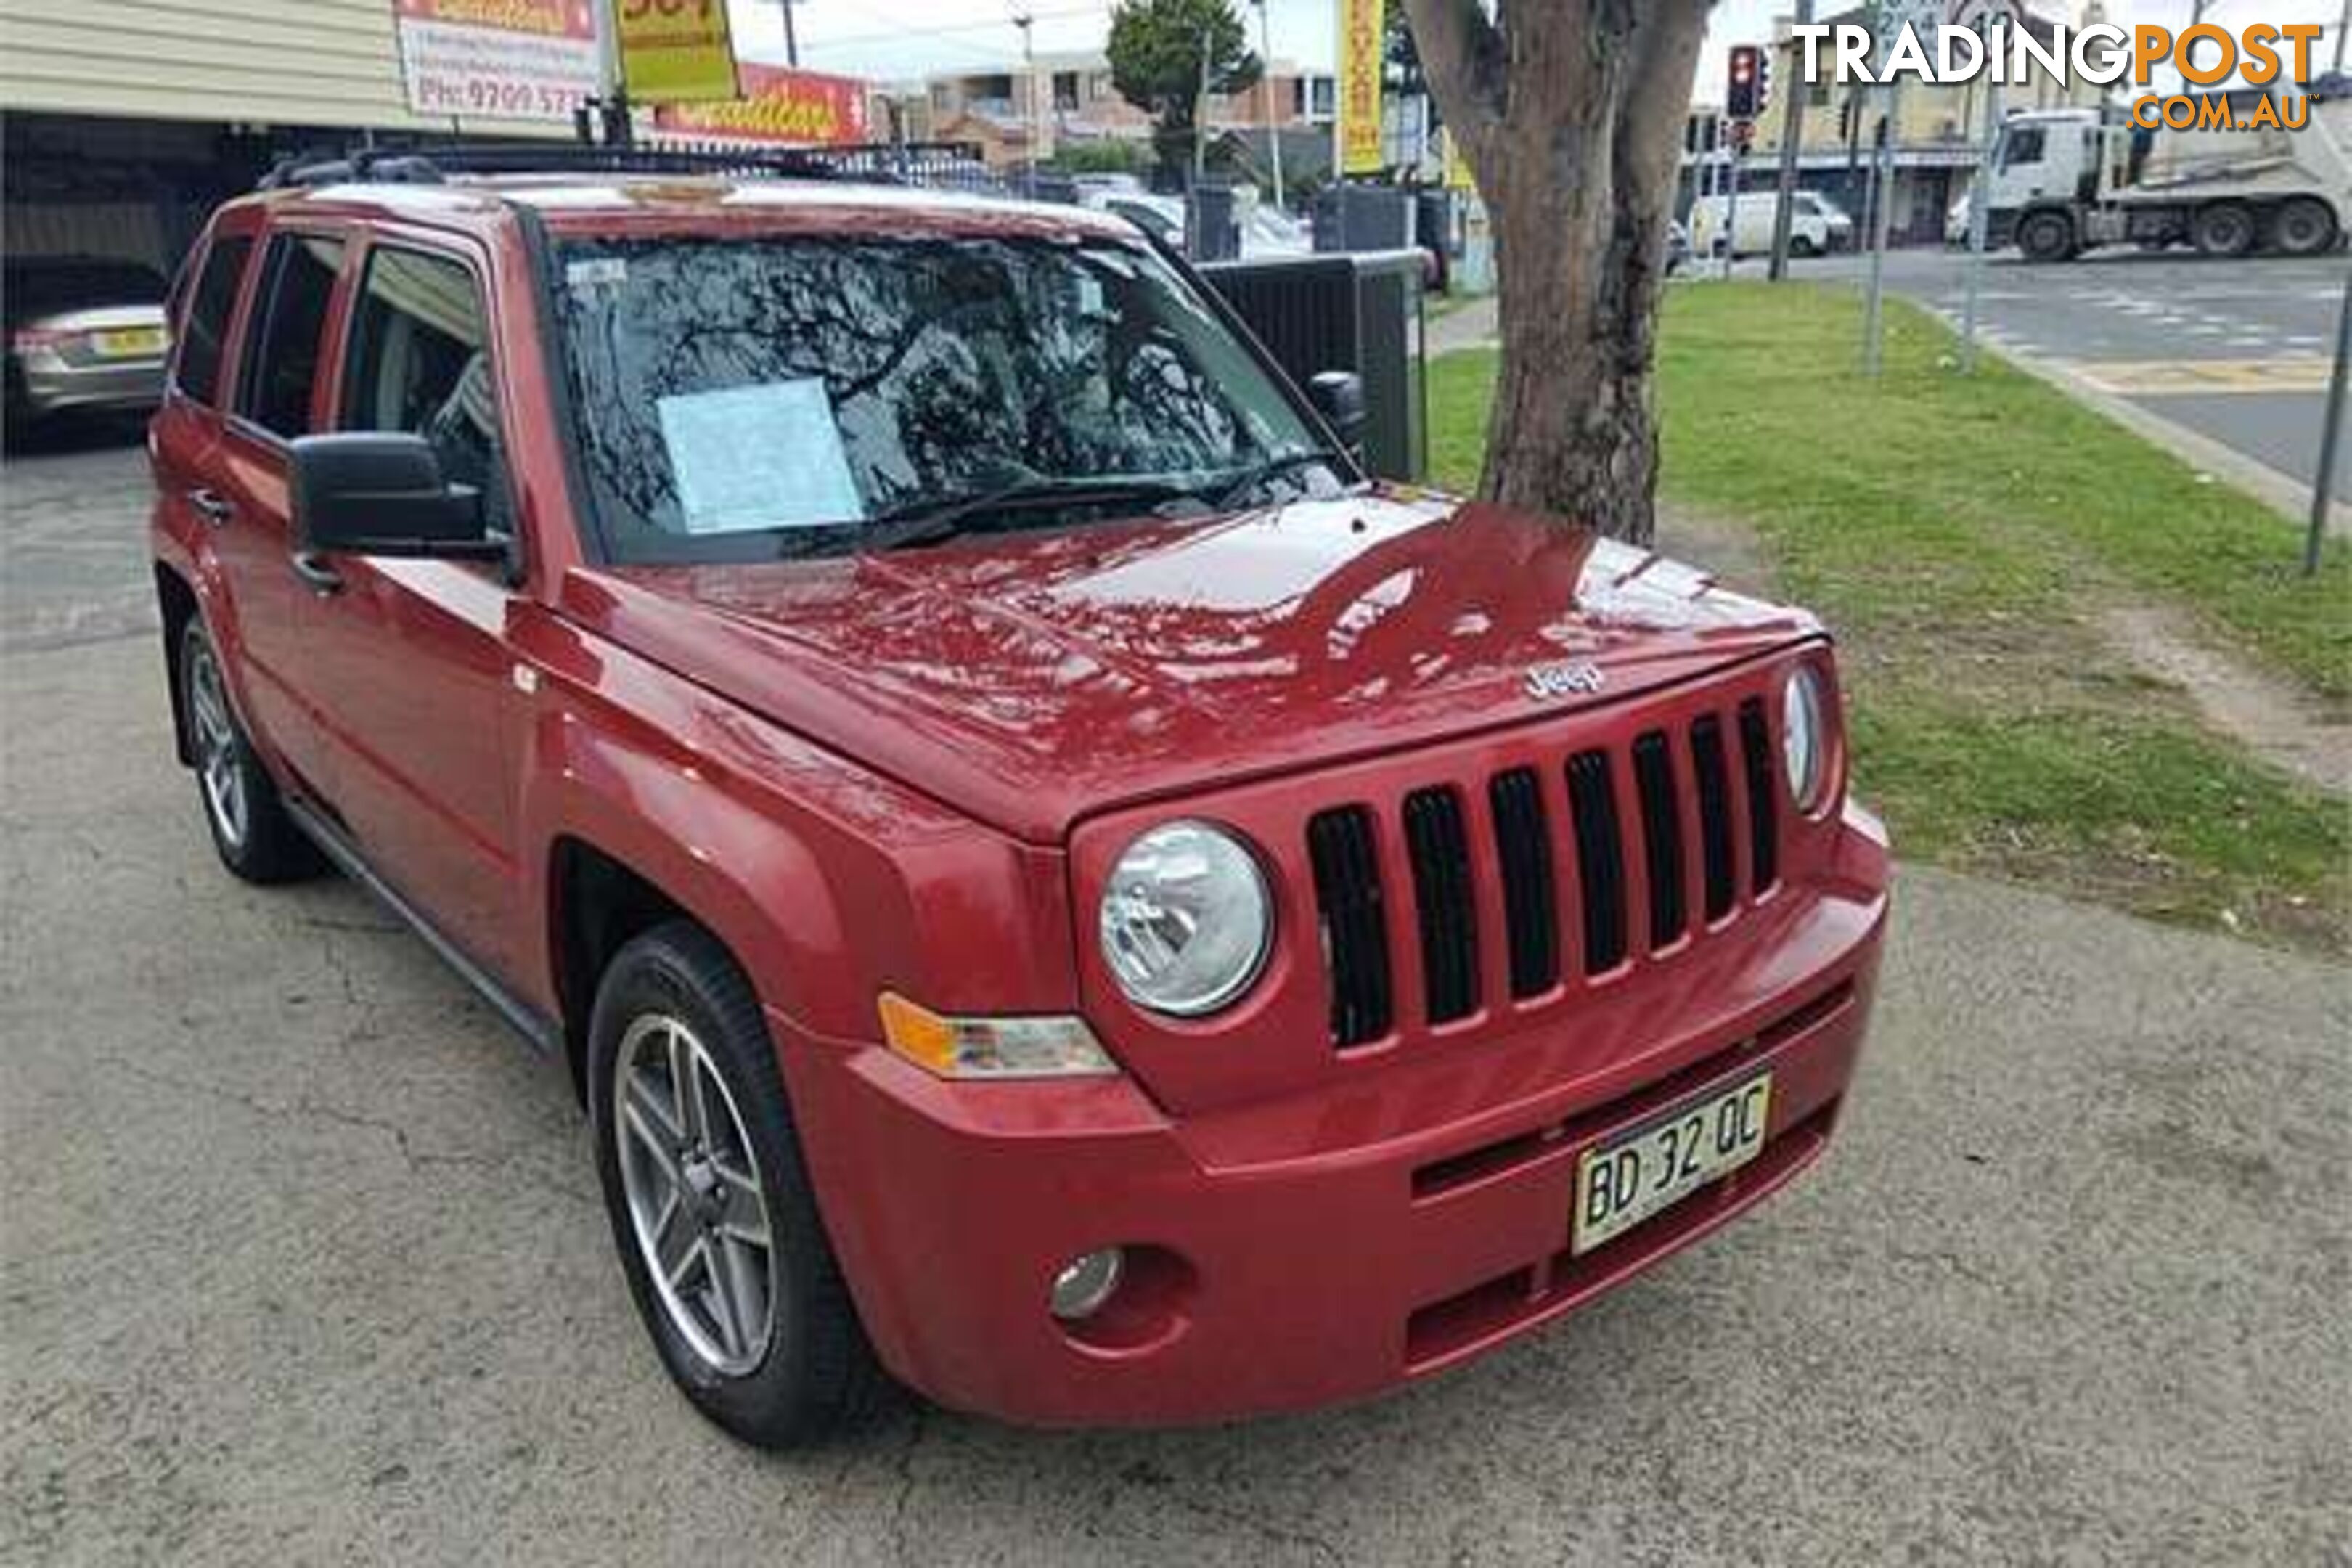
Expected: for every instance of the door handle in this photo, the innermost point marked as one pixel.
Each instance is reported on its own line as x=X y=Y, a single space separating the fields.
x=211 y=508
x=317 y=575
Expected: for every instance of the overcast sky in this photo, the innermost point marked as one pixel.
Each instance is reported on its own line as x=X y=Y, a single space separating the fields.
x=890 y=39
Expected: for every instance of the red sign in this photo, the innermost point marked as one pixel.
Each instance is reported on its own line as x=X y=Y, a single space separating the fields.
x=778 y=105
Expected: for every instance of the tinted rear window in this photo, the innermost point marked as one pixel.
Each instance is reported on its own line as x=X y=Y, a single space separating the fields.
x=289 y=329
x=201 y=335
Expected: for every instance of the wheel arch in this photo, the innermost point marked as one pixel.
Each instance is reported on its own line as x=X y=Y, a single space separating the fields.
x=613 y=873
x=175 y=604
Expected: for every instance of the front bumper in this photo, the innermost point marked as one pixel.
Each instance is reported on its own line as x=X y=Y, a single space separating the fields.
x=1324 y=1247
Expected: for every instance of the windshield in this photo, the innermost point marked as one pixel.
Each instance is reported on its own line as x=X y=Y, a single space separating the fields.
x=750 y=398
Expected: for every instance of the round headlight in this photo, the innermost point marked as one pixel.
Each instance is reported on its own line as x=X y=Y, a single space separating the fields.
x=1185 y=922
x=1804 y=739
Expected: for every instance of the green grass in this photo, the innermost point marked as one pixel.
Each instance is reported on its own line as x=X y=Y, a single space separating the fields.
x=1960 y=533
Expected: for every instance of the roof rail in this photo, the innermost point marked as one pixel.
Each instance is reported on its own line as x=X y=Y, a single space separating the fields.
x=433 y=163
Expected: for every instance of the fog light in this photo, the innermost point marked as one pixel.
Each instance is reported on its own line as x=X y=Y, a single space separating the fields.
x=1086 y=1282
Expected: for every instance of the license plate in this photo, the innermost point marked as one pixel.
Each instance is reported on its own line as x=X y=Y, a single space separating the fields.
x=126 y=341
x=1624 y=1180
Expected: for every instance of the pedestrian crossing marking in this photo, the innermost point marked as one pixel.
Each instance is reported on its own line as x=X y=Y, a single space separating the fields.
x=2156 y=378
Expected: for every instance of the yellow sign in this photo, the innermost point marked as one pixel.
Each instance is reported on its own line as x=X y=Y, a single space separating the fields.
x=1363 y=33
x=675 y=51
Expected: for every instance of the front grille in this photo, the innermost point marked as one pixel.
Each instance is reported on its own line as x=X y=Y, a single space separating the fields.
x=1441 y=901
x=1579 y=858
x=1523 y=849
x=1600 y=860
x=1340 y=848
x=1662 y=836
x=1716 y=868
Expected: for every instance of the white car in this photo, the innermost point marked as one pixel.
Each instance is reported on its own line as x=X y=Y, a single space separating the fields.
x=1810 y=233
x=1840 y=222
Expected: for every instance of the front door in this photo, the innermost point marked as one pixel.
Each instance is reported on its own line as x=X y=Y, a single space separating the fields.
x=405 y=661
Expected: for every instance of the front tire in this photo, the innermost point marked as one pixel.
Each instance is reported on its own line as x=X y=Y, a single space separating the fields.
x=252 y=833
x=712 y=1213
x=2046 y=236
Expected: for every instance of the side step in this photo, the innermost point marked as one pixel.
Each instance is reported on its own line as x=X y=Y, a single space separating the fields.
x=542 y=1032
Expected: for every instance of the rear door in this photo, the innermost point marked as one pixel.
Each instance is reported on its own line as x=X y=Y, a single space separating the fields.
x=279 y=393
x=415 y=692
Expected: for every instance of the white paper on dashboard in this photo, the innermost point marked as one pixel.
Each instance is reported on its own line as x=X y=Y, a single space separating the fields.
x=766 y=456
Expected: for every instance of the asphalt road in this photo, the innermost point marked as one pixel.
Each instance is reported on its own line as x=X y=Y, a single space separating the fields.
x=300 y=1260
x=2237 y=351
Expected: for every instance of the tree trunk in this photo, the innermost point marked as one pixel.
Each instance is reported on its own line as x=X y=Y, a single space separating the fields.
x=1571 y=113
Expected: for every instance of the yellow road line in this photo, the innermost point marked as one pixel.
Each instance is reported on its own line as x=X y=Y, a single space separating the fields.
x=2156 y=378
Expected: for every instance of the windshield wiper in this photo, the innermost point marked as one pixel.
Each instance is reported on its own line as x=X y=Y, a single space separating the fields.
x=936 y=524
x=1273 y=469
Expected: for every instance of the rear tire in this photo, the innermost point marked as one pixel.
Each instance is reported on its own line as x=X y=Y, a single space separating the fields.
x=703 y=1177
x=2046 y=236
x=2223 y=229
x=2305 y=226
x=255 y=837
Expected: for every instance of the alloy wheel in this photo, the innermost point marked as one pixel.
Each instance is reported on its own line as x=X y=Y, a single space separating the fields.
x=220 y=762
x=696 y=1202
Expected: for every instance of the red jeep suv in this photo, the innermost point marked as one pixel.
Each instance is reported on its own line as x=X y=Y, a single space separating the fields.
x=1048 y=881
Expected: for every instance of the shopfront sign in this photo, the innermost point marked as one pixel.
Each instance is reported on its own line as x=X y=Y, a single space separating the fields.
x=499 y=59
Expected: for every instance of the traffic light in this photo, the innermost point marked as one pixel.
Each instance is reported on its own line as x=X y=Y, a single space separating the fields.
x=1742 y=98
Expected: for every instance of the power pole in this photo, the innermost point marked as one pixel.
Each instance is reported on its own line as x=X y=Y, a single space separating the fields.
x=791 y=44
x=1980 y=205
x=1792 y=136
x=1023 y=19
x=2343 y=31
x=1274 y=119
x=2331 y=434
x=1883 y=182
x=1201 y=117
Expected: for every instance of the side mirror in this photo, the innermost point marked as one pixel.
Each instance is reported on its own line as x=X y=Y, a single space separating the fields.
x=1339 y=396
x=383 y=494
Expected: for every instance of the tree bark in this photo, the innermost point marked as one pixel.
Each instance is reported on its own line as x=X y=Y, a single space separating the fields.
x=1570 y=113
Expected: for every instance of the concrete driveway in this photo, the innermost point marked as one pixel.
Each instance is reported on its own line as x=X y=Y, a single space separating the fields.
x=300 y=1260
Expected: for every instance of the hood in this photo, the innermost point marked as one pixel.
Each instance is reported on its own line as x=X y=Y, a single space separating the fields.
x=1030 y=680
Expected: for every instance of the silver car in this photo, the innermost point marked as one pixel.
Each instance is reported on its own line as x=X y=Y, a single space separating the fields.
x=84 y=333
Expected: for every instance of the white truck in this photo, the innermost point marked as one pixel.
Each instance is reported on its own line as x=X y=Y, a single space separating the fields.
x=2065 y=179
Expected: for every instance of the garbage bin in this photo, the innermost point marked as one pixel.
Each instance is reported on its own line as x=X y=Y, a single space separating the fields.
x=1359 y=313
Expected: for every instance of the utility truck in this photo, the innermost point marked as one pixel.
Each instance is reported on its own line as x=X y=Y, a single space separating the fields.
x=2234 y=181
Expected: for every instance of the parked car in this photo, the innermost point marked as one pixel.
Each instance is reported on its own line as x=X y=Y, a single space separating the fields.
x=1678 y=247
x=85 y=333
x=1162 y=217
x=1267 y=234
x=1838 y=221
x=1047 y=879
x=1810 y=233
